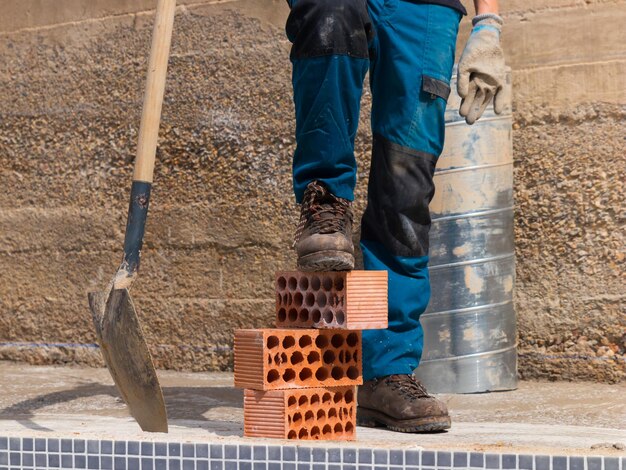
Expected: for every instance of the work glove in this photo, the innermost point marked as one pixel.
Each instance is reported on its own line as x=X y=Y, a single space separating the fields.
x=481 y=73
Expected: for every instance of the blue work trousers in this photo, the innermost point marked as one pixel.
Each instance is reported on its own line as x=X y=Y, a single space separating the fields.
x=408 y=49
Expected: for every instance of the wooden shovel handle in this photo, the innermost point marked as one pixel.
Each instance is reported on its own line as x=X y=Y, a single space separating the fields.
x=146 y=147
x=155 y=87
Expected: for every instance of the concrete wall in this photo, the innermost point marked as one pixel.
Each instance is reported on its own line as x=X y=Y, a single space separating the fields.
x=222 y=215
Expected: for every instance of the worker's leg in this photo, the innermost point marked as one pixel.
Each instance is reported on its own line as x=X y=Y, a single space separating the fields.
x=330 y=59
x=410 y=76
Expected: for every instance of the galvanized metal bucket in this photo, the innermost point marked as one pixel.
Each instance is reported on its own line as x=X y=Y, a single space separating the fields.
x=469 y=327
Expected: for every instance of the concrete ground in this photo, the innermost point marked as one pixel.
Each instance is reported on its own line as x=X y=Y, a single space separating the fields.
x=538 y=417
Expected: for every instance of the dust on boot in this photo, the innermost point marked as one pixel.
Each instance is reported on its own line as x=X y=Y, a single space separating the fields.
x=323 y=239
x=400 y=403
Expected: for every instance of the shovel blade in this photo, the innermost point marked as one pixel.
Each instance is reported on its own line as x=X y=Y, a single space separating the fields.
x=127 y=357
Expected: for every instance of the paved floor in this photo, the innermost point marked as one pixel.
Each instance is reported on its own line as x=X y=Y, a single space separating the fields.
x=552 y=418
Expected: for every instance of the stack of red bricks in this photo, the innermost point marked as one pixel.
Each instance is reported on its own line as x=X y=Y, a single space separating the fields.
x=300 y=379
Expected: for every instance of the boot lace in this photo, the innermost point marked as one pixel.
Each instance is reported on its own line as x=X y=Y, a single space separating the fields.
x=322 y=212
x=407 y=386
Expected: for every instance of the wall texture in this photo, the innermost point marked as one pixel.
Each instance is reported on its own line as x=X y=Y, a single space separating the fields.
x=222 y=216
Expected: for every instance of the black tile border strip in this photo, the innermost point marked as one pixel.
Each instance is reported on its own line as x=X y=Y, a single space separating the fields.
x=53 y=453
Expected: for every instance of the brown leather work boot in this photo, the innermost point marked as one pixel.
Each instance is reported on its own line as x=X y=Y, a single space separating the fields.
x=324 y=236
x=402 y=404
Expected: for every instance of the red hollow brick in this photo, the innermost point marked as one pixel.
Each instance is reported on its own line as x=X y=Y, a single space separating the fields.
x=268 y=359
x=307 y=414
x=353 y=300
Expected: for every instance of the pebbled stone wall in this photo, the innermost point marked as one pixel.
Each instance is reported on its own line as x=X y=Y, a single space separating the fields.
x=222 y=216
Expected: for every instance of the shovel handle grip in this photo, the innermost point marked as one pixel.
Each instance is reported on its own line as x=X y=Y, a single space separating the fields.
x=147 y=144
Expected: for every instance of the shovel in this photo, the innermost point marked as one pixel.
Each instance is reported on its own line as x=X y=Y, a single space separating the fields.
x=121 y=340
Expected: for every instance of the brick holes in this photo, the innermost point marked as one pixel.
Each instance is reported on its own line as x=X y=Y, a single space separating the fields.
x=342 y=356
x=324 y=414
x=302 y=291
x=297 y=358
x=304 y=315
x=313 y=357
x=337 y=341
x=305 y=341
x=328 y=316
x=321 y=341
x=329 y=357
x=282 y=315
x=292 y=316
x=279 y=358
x=325 y=296
x=321 y=374
x=316 y=316
x=305 y=375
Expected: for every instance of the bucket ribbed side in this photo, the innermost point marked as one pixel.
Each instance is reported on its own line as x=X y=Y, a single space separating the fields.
x=469 y=326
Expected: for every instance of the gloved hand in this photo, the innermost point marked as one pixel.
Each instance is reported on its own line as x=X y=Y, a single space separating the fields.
x=481 y=72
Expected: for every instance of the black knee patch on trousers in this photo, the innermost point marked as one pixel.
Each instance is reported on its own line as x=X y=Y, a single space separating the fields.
x=329 y=27
x=400 y=189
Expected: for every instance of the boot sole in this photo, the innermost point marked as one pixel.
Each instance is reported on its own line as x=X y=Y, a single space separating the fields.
x=326 y=261
x=376 y=419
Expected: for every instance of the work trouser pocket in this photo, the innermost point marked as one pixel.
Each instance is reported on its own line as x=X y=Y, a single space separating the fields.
x=435 y=88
